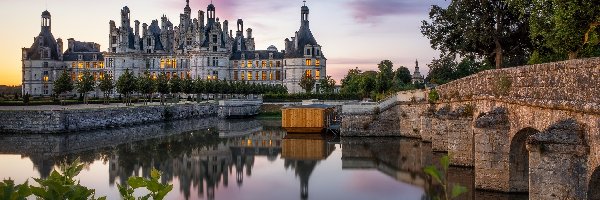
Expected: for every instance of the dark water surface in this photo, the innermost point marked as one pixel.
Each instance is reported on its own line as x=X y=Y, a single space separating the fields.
x=242 y=159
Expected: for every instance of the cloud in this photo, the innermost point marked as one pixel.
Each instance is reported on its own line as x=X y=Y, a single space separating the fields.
x=370 y=10
x=229 y=9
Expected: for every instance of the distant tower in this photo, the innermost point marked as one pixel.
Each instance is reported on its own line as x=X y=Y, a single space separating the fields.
x=304 y=15
x=417 y=78
x=187 y=10
x=46 y=21
x=210 y=13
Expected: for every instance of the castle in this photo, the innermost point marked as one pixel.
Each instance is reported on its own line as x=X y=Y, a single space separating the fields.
x=199 y=48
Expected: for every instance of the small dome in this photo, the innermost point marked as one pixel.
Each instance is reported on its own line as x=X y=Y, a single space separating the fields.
x=272 y=48
x=211 y=7
x=304 y=8
x=46 y=13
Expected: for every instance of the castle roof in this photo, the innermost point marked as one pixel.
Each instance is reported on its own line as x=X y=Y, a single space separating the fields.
x=44 y=40
x=251 y=55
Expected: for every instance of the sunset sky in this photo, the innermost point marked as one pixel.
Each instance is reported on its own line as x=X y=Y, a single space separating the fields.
x=353 y=33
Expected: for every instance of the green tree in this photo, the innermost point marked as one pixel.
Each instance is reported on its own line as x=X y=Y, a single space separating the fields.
x=146 y=85
x=162 y=86
x=351 y=82
x=441 y=70
x=368 y=83
x=126 y=85
x=327 y=85
x=564 y=26
x=188 y=86
x=175 y=84
x=63 y=84
x=199 y=89
x=490 y=30
x=402 y=76
x=385 y=76
x=86 y=84
x=307 y=83
x=106 y=86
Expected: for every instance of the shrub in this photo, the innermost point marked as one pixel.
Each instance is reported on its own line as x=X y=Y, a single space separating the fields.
x=433 y=96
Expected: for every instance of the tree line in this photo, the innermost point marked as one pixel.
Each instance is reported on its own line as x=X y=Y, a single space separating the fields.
x=378 y=84
x=147 y=85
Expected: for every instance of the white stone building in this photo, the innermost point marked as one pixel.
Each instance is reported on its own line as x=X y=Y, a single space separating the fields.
x=196 y=48
x=417 y=78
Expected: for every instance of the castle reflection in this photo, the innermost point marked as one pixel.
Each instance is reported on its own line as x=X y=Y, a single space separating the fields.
x=201 y=156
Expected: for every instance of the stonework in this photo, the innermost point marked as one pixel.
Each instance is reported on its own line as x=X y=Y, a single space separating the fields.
x=200 y=47
x=58 y=121
x=486 y=120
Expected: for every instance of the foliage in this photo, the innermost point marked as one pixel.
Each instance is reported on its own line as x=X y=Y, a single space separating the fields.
x=175 y=84
x=146 y=84
x=502 y=85
x=440 y=176
x=307 y=83
x=187 y=86
x=162 y=86
x=106 y=86
x=158 y=191
x=10 y=191
x=327 y=85
x=446 y=69
x=63 y=84
x=433 y=96
x=490 y=30
x=85 y=84
x=564 y=27
x=62 y=185
x=402 y=76
x=303 y=96
x=126 y=85
x=385 y=76
x=26 y=98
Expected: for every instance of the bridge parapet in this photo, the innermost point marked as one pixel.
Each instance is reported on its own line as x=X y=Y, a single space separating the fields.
x=565 y=85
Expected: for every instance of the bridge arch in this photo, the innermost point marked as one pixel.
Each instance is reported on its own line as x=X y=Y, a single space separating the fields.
x=594 y=185
x=519 y=160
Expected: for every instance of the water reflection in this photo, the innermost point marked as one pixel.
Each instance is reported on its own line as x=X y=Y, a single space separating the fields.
x=209 y=158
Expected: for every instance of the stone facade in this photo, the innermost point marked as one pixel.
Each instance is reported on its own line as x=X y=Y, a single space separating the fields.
x=57 y=121
x=509 y=124
x=201 y=47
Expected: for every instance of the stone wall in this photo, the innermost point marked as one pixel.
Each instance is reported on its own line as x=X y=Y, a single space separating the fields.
x=572 y=85
x=57 y=121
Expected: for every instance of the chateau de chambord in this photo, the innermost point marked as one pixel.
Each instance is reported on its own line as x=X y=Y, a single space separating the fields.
x=198 y=48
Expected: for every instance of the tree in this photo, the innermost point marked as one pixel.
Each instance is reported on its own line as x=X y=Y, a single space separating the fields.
x=63 y=84
x=563 y=26
x=307 y=83
x=327 y=85
x=351 y=82
x=126 y=85
x=199 y=89
x=402 y=76
x=188 y=86
x=441 y=70
x=490 y=30
x=175 y=85
x=86 y=84
x=162 y=86
x=368 y=83
x=146 y=85
x=106 y=86
x=385 y=76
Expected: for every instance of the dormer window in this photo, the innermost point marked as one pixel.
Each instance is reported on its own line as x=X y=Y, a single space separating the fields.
x=243 y=56
x=270 y=56
x=308 y=52
x=318 y=52
x=80 y=57
x=214 y=38
x=95 y=57
x=256 y=56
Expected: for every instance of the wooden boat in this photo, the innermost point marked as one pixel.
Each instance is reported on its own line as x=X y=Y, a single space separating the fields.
x=307 y=118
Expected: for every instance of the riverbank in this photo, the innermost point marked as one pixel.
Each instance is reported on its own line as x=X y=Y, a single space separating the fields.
x=51 y=119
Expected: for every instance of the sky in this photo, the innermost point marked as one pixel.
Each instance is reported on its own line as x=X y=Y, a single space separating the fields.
x=352 y=33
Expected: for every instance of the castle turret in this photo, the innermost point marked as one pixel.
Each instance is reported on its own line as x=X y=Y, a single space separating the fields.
x=125 y=17
x=210 y=12
x=187 y=10
x=46 y=21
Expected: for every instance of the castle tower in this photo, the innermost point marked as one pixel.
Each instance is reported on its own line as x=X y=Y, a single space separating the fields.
x=46 y=21
x=210 y=13
x=417 y=78
x=187 y=10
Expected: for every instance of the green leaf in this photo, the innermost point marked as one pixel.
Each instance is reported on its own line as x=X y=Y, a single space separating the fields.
x=445 y=161
x=457 y=190
x=155 y=174
x=163 y=192
x=136 y=182
x=434 y=173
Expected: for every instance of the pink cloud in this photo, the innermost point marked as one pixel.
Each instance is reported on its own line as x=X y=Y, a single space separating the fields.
x=370 y=10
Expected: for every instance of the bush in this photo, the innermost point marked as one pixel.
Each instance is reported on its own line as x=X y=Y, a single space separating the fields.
x=433 y=96
x=306 y=96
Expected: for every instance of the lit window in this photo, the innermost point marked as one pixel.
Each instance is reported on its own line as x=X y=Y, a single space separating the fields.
x=73 y=64
x=318 y=62
x=235 y=63
x=264 y=76
x=249 y=63
x=256 y=75
x=95 y=65
x=80 y=65
x=264 y=64
x=249 y=75
x=308 y=73
x=87 y=65
x=162 y=64
x=317 y=74
x=270 y=75
x=243 y=75
x=271 y=64
x=308 y=62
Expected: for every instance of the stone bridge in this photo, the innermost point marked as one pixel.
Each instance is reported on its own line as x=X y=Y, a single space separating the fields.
x=526 y=129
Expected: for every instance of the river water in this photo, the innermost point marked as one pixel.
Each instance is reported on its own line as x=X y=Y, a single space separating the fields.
x=238 y=159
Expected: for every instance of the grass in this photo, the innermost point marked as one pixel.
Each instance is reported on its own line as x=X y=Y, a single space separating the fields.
x=269 y=115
